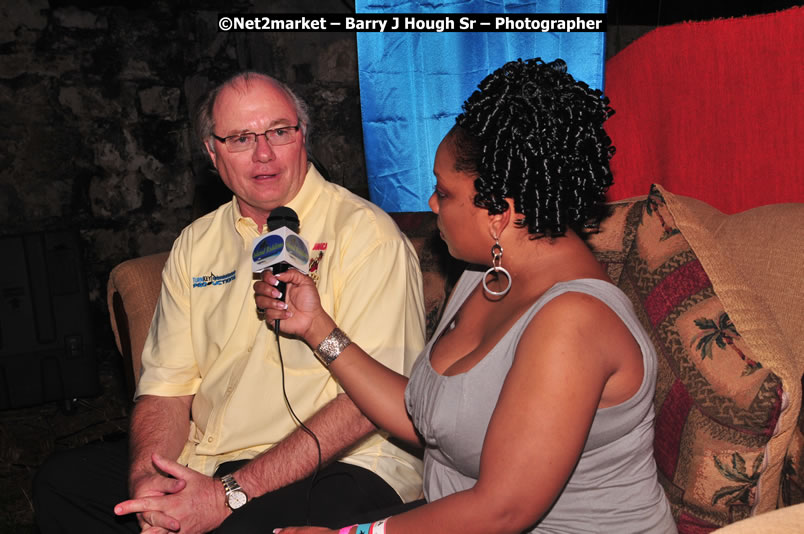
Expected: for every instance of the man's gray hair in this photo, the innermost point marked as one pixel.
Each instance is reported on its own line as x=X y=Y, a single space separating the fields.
x=205 y=120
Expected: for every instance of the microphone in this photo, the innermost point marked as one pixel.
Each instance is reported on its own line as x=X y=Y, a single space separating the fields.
x=282 y=247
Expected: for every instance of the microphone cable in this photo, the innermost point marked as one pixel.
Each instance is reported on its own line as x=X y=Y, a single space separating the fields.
x=314 y=479
x=299 y=422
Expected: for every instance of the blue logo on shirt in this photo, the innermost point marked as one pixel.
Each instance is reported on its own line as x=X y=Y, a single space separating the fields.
x=213 y=280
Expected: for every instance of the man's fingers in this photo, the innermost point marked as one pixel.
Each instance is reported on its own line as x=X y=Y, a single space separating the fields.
x=149 y=510
x=160 y=522
x=132 y=506
x=145 y=525
x=155 y=484
x=175 y=485
x=158 y=485
x=151 y=520
x=170 y=467
x=158 y=519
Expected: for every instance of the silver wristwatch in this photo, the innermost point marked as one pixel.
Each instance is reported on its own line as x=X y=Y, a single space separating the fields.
x=235 y=496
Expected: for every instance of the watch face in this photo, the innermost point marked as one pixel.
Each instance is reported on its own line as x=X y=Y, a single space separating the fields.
x=236 y=499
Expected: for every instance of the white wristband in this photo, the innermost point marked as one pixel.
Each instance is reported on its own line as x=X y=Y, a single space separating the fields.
x=378 y=527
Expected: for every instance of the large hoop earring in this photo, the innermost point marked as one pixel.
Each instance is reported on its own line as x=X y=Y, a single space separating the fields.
x=495 y=269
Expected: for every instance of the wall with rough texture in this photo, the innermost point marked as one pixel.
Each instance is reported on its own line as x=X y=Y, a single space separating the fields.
x=97 y=135
x=95 y=100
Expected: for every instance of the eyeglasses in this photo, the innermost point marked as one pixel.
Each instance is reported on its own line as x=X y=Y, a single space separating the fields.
x=248 y=140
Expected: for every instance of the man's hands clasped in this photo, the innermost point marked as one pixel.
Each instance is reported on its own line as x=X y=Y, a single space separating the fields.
x=189 y=501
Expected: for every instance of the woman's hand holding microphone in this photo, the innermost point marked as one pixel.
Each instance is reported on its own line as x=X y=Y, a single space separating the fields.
x=301 y=313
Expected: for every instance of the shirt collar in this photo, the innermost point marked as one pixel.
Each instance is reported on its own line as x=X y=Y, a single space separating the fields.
x=307 y=196
x=245 y=226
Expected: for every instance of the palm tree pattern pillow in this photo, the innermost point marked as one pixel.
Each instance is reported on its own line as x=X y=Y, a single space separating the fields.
x=716 y=404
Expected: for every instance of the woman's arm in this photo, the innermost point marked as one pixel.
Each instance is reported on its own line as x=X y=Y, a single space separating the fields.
x=378 y=391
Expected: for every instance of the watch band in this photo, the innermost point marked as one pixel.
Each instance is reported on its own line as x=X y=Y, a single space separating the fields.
x=230 y=484
x=332 y=346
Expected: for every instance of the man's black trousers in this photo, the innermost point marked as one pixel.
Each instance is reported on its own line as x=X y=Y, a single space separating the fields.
x=76 y=490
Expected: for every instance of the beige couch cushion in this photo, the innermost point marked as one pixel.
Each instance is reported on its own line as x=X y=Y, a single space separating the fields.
x=754 y=260
x=612 y=241
x=783 y=521
x=762 y=248
x=725 y=403
x=131 y=295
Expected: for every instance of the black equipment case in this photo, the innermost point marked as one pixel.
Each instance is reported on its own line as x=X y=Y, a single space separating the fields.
x=47 y=350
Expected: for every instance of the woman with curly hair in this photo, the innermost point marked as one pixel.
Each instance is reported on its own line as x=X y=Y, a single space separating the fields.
x=533 y=400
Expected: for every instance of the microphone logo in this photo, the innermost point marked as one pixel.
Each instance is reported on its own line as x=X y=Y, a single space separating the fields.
x=272 y=246
x=297 y=248
x=282 y=247
x=267 y=248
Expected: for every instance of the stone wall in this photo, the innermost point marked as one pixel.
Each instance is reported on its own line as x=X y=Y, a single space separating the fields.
x=95 y=100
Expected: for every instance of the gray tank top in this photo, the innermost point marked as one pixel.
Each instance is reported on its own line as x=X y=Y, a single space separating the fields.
x=614 y=486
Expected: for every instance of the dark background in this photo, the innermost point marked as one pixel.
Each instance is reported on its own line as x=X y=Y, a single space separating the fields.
x=97 y=138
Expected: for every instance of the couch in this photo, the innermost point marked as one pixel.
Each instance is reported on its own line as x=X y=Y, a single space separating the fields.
x=713 y=290
x=718 y=290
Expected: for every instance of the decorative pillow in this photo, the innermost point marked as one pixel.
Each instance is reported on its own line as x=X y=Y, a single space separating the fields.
x=612 y=241
x=753 y=259
x=717 y=403
x=792 y=485
x=762 y=245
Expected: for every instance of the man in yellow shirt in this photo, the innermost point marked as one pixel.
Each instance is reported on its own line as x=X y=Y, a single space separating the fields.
x=210 y=399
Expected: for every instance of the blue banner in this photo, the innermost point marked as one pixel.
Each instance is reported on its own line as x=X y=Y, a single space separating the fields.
x=412 y=84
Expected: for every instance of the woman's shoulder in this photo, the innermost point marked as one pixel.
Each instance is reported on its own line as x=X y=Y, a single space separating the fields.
x=585 y=298
x=580 y=313
x=586 y=321
x=567 y=309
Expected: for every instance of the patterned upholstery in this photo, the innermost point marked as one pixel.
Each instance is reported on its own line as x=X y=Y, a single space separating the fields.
x=719 y=446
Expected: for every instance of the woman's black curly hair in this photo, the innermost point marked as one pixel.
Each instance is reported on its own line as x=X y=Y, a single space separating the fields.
x=533 y=134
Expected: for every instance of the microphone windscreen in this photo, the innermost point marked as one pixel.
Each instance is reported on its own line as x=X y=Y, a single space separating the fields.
x=283 y=216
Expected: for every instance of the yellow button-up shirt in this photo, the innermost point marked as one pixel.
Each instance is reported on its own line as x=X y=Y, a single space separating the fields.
x=207 y=340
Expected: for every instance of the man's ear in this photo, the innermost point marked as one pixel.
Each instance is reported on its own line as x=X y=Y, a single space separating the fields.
x=211 y=153
x=500 y=221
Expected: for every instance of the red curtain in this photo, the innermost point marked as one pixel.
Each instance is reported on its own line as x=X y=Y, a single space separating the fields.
x=712 y=110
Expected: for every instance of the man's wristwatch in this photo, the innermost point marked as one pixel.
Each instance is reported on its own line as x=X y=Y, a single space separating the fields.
x=235 y=496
